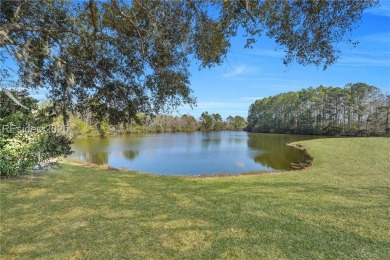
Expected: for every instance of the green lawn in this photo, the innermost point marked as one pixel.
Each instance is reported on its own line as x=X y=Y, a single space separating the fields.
x=338 y=208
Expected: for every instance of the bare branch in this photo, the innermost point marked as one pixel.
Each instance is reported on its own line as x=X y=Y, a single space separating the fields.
x=9 y=94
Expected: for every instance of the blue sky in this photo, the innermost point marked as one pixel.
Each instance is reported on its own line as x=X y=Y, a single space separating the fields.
x=250 y=74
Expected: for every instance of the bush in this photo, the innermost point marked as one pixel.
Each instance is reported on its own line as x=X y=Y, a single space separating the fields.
x=26 y=150
x=17 y=154
x=26 y=138
x=79 y=128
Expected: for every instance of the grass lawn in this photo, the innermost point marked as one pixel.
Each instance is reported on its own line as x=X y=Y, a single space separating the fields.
x=338 y=208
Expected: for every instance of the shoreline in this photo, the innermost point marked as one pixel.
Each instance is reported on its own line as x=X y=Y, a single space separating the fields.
x=294 y=167
x=122 y=169
x=308 y=158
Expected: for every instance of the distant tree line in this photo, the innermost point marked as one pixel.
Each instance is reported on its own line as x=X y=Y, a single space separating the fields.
x=84 y=126
x=355 y=110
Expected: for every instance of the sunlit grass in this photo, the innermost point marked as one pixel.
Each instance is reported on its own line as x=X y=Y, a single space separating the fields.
x=339 y=208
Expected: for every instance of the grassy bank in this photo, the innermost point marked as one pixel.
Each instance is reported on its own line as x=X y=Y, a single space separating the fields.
x=338 y=208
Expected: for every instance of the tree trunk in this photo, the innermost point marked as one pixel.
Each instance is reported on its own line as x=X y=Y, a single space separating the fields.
x=387 y=122
x=65 y=116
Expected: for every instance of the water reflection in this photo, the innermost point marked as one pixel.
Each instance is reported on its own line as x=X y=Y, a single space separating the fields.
x=192 y=153
x=211 y=139
x=130 y=154
x=98 y=158
x=277 y=154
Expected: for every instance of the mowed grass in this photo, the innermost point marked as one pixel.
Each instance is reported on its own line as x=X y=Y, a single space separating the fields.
x=337 y=209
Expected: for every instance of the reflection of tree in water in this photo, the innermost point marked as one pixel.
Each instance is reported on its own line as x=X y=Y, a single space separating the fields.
x=277 y=154
x=91 y=144
x=130 y=154
x=98 y=150
x=236 y=138
x=98 y=157
x=211 y=138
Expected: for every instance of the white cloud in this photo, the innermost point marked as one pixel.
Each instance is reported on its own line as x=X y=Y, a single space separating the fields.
x=377 y=58
x=382 y=10
x=240 y=71
x=376 y=37
x=235 y=72
x=269 y=53
x=366 y=61
x=373 y=51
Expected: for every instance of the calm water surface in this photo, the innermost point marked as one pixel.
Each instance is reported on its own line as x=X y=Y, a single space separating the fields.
x=196 y=153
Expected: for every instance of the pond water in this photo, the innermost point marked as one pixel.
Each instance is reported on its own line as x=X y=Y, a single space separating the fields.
x=227 y=152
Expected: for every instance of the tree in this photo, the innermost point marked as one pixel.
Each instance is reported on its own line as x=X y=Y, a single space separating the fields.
x=188 y=123
x=386 y=109
x=206 y=121
x=218 y=124
x=117 y=58
x=239 y=123
x=356 y=109
x=229 y=122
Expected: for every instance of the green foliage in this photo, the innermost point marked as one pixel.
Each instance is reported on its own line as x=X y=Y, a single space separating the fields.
x=356 y=109
x=105 y=127
x=27 y=149
x=27 y=138
x=238 y=123
x=17 y=154
x=79 y=127
x=13 y=115
x=206 y=121
x=85 y=126
x=186 y=123
x=53 y=145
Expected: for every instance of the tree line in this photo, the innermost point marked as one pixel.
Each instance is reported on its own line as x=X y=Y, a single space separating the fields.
x=85 y=126
x=354 y=110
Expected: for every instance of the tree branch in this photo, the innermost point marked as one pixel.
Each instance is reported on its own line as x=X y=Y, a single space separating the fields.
x=93 y=16
x=245 y=4
x=116 y=6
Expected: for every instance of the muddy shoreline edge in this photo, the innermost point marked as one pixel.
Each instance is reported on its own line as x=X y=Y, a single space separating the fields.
x=308 y=158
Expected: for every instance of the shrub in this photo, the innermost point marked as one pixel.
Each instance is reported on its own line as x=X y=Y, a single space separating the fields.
x=17 y=154
x=79 y=128
x=27 y=149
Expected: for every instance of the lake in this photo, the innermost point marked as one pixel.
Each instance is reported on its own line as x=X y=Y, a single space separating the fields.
x=198 y=153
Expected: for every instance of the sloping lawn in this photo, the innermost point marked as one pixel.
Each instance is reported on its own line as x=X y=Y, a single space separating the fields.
x=337 y=209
